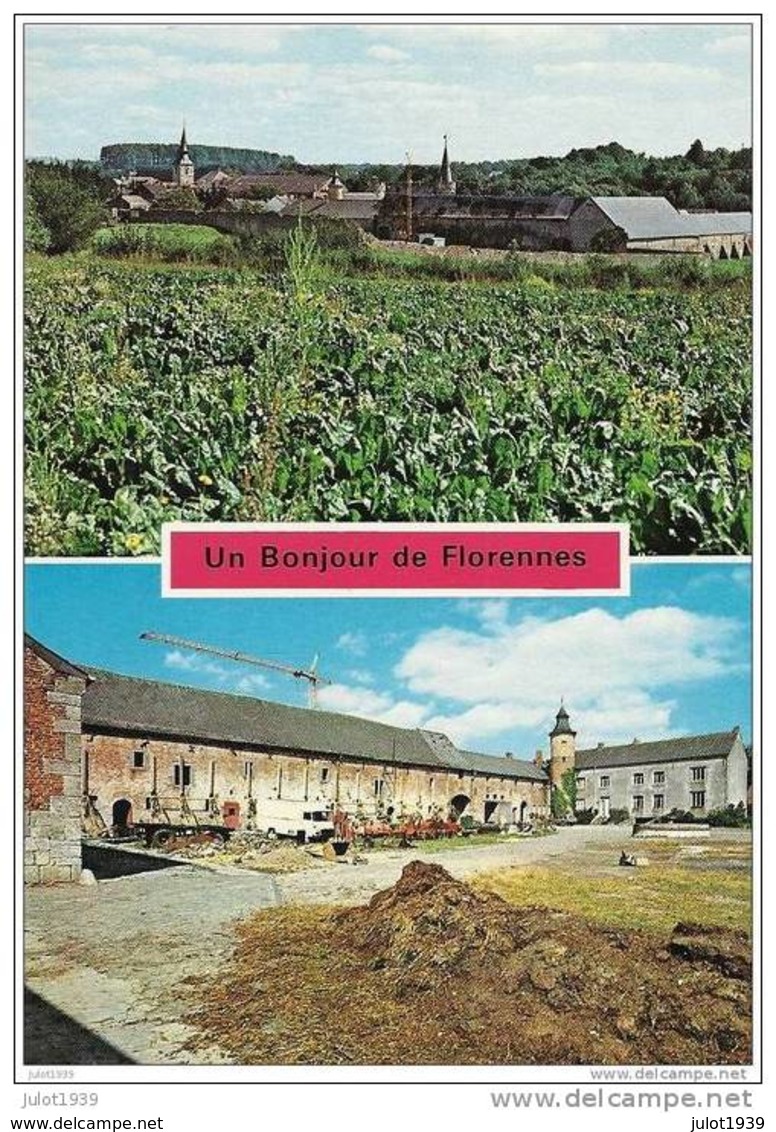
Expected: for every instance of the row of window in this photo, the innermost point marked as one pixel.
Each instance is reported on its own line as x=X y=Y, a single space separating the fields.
x=182 y=775
x=697 y=801
x=697 y=774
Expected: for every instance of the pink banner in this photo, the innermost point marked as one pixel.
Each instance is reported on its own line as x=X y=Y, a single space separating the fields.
x=328 y=559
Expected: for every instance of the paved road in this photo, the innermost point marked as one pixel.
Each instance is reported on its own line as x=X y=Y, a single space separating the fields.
x=115 y=957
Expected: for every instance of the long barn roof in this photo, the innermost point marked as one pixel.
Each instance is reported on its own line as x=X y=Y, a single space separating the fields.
x=653 y=218
x=151 y=707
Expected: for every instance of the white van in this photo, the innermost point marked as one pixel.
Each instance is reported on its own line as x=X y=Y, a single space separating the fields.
x=304 y=821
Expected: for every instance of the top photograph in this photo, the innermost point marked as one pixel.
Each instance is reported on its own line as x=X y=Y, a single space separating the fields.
x=388 y=272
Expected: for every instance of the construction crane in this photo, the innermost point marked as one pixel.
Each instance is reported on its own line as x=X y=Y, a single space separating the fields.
x=311 y=674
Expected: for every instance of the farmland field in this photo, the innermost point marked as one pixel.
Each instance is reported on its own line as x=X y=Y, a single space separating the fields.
x=176 y=392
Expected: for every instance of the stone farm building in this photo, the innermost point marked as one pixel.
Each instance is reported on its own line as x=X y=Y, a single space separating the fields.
x=126 y=749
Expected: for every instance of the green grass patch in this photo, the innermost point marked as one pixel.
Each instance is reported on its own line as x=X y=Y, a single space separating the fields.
x=653 y=897
x=166 y=242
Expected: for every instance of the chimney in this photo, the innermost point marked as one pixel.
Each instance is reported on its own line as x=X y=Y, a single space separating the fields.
x=538 y=759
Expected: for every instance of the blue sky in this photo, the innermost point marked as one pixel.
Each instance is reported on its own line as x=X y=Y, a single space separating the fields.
x=672 y=659
x=352 y=93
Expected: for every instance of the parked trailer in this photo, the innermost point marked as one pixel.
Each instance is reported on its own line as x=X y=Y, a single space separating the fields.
x=409 y=830
x=171 y=835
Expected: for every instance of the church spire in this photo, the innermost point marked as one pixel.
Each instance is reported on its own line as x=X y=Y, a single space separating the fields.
x=183 y=168
x=183 y=145
x=446 y=183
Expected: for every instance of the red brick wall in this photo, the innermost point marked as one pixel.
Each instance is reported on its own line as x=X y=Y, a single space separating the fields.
x=41 y=742
x=112 y=776
x=52 y=771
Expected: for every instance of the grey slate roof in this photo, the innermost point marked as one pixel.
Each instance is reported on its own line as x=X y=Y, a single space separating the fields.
x=688 y=749
x=652 y=218
x=719 y=223
x=555 y=206
x=292 y=183
x=345 y=209
x=151 y=707
x=494 y=765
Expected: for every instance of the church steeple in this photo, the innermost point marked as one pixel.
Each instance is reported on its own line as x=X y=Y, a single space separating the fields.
x=446 y=184
x=183 y=169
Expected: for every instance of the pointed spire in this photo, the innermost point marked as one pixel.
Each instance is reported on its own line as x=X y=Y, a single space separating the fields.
x=562 y=725
x=445 y=173
x=183 y=145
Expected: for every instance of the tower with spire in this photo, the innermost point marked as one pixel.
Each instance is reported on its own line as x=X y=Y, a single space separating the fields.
x=562 y=746
x=183 y=169
x=335 y=189
x=446 y=184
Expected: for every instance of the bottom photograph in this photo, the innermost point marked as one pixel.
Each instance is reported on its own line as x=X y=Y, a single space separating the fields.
x=409 y=832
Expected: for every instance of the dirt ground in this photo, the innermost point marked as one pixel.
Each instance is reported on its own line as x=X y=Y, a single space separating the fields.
x=432 y=971
x=121 y=961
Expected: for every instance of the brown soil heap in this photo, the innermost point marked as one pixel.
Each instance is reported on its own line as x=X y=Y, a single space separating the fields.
x=432 y=972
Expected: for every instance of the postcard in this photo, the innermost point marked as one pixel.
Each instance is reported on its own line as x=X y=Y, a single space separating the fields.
x=389 y=669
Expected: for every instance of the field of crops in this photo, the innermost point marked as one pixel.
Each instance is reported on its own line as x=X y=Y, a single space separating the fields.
x=156 y=393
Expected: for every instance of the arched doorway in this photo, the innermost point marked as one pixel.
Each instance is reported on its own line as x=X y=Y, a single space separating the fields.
x=122 y=814
x=458 y=804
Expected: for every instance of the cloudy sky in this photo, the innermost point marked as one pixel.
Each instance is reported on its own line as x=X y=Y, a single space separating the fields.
x=672 y=659
x=353 y=93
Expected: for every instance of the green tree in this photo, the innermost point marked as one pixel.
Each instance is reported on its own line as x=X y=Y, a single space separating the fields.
x=36 y=235
x=563 y=800
x=68 y=211
x=178 y=199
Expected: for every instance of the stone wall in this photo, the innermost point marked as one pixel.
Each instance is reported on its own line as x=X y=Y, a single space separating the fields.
x=237 y=776
x=52 y=772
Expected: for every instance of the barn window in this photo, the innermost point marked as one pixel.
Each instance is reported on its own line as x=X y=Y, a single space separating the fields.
x=697 y=799
x=699 y=774
x=378 y=787
x=638 y=803
x=658 y=802
x=638 y=779
x=658 y=777
x=604 y=782
x=176 y=774
x=324 y=774
x=139 y=758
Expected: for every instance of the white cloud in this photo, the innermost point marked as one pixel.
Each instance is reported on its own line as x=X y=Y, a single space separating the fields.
x=733 y=43
x=372 y=705
x=650 y=72
x=500 y=37
x=356 y=644
x=233 y=679
x=618 y=674
x=386 y=53
x=360 y=676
